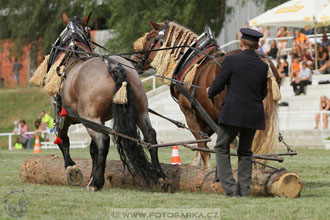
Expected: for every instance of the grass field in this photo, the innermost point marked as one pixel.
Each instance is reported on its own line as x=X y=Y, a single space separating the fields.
x=63 y=202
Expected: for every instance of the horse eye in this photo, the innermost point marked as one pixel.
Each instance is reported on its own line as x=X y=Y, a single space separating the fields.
x=148 y=39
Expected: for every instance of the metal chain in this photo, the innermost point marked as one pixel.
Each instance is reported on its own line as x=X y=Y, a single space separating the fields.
x=281 y=139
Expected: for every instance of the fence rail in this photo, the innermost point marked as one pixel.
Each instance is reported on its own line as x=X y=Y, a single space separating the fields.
x=11 y=134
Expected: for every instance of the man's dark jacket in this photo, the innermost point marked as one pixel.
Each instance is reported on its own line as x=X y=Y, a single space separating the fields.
x=245 y=75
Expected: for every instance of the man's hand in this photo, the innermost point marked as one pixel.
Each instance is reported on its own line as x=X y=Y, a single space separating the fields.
x=207 y=89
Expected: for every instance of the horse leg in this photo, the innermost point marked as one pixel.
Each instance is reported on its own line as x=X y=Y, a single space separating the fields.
x=74 y=175
x=93 y=152
x=65 y=145
x=99 y=151
x=150 y=137
x=193 y=124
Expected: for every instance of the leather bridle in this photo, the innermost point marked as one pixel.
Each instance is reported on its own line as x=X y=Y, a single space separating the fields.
x=160 y=36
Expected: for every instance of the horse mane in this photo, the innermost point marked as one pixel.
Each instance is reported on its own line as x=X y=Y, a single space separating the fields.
x=165 y=61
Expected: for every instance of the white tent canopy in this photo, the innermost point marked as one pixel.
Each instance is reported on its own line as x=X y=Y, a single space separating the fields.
x=323 y=18
x=294 y=13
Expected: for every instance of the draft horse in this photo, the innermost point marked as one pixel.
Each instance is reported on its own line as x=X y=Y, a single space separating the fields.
x=89 y=85
x=167 y=62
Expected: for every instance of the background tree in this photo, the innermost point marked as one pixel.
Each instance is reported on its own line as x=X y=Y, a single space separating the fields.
x=129 y=18
x=269 y=4
x=37 y=23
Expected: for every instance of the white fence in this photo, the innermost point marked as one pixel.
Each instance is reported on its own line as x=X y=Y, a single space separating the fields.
x=10 y=135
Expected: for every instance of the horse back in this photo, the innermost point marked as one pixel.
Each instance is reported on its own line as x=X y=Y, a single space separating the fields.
x=90 y=87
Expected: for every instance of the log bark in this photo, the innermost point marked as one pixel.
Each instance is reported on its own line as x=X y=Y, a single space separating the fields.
x=50 y=170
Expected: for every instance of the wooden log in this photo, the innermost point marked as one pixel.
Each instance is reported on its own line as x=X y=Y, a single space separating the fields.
x=50 y=170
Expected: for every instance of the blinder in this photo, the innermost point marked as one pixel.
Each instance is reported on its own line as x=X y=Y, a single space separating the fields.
x=72 y=34
x=161 y=35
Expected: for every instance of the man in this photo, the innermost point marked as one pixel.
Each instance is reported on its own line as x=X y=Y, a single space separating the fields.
x=16 y=68
x=245 y=75
x=304 y=78
x=46 y=123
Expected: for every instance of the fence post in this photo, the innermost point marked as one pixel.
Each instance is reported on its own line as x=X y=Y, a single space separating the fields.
x=321 y=118
x=9 y=142
x=153 y=83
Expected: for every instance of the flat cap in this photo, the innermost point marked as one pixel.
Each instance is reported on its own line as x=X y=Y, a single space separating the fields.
x=250 y=34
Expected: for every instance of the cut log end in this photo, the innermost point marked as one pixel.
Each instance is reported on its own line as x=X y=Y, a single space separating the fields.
x=288 y=185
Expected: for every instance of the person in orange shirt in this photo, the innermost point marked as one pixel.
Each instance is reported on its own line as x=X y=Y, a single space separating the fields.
x=295 y=68
x=301 y=44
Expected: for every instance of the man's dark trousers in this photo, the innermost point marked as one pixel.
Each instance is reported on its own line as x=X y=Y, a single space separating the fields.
x=225 y=137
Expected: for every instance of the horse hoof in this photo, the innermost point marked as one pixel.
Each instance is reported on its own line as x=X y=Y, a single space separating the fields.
x=207 y=165
x=92 y=188
x=197 y=162
x=74 y=175
x=164 y=184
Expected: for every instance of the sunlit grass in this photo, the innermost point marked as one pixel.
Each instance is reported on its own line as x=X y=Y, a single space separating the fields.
x=63 y=202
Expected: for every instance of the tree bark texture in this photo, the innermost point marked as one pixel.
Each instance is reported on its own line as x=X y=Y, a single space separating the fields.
x=265 y=182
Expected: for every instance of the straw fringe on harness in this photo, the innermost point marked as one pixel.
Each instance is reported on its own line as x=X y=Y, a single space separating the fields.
x=165 y=61
x=52 y=81
x=38 y=77
x=265 y=141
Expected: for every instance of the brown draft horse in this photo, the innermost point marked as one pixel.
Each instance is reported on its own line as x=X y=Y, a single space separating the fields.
x=88 y=90
x=172 y=34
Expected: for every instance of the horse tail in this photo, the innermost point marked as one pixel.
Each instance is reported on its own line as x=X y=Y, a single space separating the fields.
x=266 y=141
x=125 y=119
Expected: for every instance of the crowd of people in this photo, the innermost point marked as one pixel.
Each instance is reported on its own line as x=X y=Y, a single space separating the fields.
x=24 y=137
x=303 y=57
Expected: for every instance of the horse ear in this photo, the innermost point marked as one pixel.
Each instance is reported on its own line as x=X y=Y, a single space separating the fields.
x=65 y=19
x=155 y=26
x=86 y=19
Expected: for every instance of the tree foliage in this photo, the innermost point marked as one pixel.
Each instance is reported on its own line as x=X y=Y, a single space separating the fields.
x=37 y=23
x=129 y=18
x=269 y=4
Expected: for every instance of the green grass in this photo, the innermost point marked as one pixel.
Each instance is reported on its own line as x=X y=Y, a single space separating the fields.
x=63 y=202
x=19 y=104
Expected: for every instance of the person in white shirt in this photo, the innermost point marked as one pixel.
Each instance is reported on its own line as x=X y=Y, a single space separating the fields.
x=304 y=78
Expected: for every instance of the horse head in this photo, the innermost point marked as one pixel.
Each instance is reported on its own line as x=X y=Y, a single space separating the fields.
x=150 y=41
x=76 y=36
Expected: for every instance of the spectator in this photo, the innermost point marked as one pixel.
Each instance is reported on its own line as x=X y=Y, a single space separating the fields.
x=280 y=67
x=322 y=55
x=295 y=68
x=26 y=138
x=324 y=106
x=282 y=44
x=46 y=123
x=304 y=78
x=325 y=69
x=17 y=128
x=325 y=41
x=261 y=46
x=18 y=145
x=310 y=65
x=301 y=44
x=273 y=50
x=16 y=68
x=308 y=31
x=37 y=123
x=285 y=63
